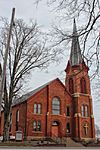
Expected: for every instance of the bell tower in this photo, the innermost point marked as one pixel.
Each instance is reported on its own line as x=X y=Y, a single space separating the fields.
x=77 y=82
x=0 y=73
x=0 y=85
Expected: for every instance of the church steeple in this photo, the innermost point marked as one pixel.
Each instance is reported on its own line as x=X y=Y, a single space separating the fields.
x=75 y=55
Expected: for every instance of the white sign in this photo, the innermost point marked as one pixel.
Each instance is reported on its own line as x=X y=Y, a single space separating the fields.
x=19 y=136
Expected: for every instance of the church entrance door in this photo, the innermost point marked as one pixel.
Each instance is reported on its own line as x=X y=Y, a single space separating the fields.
x=55 y=129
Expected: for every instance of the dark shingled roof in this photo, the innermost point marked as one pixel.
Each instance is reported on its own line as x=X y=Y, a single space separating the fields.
x=28 y=95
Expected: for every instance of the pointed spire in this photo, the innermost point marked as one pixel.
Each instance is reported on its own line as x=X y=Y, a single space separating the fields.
x=75 y=56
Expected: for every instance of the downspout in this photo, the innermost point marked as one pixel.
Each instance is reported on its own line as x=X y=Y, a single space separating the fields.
x=78 y=126
x=25 y=131
x=47 y=111
x=78 y=115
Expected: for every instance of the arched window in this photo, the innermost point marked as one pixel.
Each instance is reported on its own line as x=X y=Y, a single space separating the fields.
x=17 y=119
x=82 y=111
x=68 y=111
x=37 y=108
x=86 y=111
x=83 y=85
x=34 y=125
x=39 y=125
x=71 y=86
x=56 y=106
x=68 y=128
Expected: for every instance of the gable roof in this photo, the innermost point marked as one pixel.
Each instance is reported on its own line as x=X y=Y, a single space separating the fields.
x=24 y=98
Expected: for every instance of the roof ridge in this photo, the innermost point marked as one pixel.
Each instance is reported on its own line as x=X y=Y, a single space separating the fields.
x=29 y=94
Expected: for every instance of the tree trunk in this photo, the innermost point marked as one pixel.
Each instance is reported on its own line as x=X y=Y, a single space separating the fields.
x=6 y=125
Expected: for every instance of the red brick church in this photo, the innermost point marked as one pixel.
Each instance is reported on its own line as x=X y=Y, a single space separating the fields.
x=55 y=109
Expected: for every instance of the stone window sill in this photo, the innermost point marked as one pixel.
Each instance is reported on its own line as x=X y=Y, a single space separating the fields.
x=36 y=114
x=37 y=131
x=84 y=117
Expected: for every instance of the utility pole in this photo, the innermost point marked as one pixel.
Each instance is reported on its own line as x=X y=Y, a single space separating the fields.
x=5 y=58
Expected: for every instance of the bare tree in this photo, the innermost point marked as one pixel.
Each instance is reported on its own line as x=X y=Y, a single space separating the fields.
x=97 y=131
x=28 y=51
x=87 y=10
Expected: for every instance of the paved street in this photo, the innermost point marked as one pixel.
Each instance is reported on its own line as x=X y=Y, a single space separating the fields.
x=46 y=148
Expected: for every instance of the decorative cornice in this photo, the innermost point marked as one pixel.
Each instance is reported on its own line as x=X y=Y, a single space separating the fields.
x=77 y=115
x=84 y=94
x=90 y=97
x=92 y=116
x=76 y=95
x=79 y=94
x=64 y=115
x=47 y=113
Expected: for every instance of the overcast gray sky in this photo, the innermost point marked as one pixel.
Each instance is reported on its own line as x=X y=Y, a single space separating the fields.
x=26 y=10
